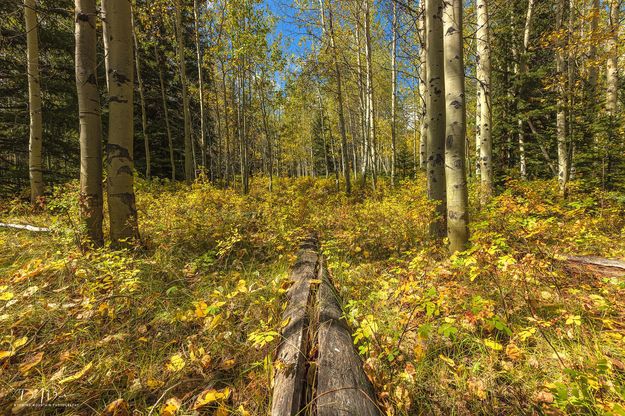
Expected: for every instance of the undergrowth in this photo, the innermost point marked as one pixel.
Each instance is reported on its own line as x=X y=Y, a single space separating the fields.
x=189 y=322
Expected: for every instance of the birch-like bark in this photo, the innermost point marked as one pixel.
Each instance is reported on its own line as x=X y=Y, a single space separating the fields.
x=119 y=154
x=485 y=136
x=521 y=72
x=423 y=127
x=91 y=200
x=35 y=167
x=611 y=99
x=455 y=129
x=436 y=114
x=339 y=92
x=199 y=56
x=561 y=104
x=394 y=96
x=189 y=169
x=370 y=94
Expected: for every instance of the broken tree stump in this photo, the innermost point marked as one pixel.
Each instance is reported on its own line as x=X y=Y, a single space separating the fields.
x=317 y=369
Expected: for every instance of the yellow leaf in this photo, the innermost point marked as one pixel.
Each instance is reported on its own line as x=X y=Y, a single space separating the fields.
x=242 y=286
x=154 y=383
x=176 y=363
x=30 y=362
x=228 y=364
x=6 y=296
x=78 y=375
x=242 y=411
x=6 y=354
x=574 y=319
x=210 y=396
x=513 y=352
x=493 y=345
x=19 y=342
x=117 y=408
x=201 y=309
x=171 y=406
x=222 y=411
x=447 y=361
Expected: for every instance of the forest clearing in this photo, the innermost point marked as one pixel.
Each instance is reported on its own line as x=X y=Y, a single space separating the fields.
x=312 y=207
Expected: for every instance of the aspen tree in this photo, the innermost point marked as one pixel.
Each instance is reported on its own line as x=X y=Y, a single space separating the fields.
x=189 y=163
x=611 y=99
x=370 y=93
x=485 y=106
x=394 y=95
x=91 y=200
x=561 y=115
x=119 y=150
x=423 y=128
x=200 y=75
x=521 y=72
x=35 y=167
x=339 y=91
x=436 y=114
x=455 y=129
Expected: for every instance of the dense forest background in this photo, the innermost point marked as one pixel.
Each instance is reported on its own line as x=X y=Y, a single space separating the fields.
x=274 y=110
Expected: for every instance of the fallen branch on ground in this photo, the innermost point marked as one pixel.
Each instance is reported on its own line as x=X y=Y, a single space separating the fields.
x=597 y=261
x=26 y=227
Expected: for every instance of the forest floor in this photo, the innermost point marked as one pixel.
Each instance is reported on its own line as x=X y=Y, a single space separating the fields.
x=189 y=324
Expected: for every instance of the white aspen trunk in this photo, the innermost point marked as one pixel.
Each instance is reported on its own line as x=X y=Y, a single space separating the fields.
x=339 y=94
x=370 y=93
x=485 y=135
x=561 y=116
x=455 y=130
x=478 y=119
x=611 y=99
x=91 y=199
x=35 y=167
x=423 y=127
x=521 y=72
x=394 y=96
x=119 y=157
x=144 y=116
x=199 y=56
x=189 y=162
x=436 y=114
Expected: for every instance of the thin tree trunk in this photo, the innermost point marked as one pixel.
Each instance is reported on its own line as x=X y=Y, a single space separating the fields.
x=455 y=131
x=119 y=157
x=561 y=116
x=521 y=73
x=394 y=96
x=144 y=116
x=423 y=82
x=35 y=167
x=91 y=200
x=611 y=101
x=436 y=115
x=485 y=138
x=189 y=160
x=339 y=94
x=170 y=140
x=370 y=93
x=199 y=55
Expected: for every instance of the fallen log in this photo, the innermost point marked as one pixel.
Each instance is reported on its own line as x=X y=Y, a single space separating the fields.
x=26 y=227
x=597 y=261
x=342 y=385
x=289 y=390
